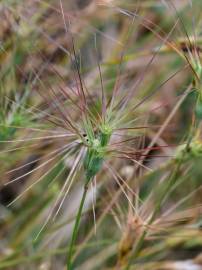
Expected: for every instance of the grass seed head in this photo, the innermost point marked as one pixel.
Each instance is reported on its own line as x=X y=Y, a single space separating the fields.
x=96 y=152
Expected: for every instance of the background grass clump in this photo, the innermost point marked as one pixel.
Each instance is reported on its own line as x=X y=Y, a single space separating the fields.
x=105 y=96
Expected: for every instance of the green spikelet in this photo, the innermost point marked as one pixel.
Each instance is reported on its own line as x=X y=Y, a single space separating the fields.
x=95 y=154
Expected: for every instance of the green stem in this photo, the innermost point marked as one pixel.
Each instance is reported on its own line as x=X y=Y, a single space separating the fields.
x=76 y=228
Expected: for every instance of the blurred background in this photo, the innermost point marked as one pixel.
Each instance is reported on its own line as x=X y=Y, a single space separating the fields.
x=154 y=49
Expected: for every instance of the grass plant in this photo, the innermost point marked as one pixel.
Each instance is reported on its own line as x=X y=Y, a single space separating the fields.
x=100 y=135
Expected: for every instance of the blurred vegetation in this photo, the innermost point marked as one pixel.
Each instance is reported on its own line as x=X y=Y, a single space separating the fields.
x=144 y=210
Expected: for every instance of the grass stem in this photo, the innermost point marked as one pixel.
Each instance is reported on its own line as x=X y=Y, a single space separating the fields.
x=75 y=230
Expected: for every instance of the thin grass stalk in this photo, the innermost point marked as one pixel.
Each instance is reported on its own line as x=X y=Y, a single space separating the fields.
x=75 y=230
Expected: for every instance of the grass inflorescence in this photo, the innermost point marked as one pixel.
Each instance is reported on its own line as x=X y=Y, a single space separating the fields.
x=100 y=134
